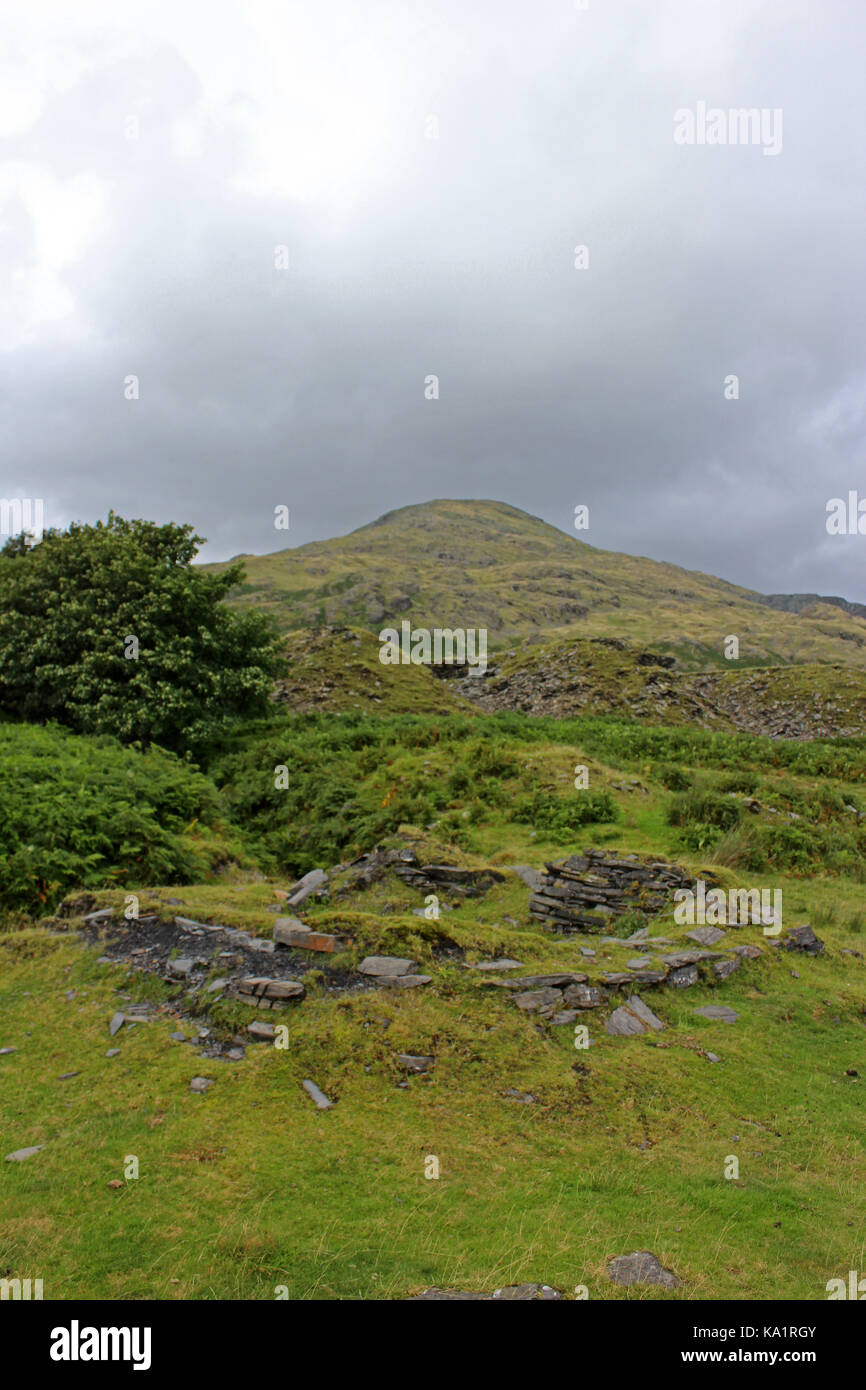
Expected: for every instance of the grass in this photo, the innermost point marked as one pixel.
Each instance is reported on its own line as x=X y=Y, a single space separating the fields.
x=248 y=1188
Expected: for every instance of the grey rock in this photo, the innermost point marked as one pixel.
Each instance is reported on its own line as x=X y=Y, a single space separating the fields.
x=705 y=936
x=413 y=1063
x=404 y=981
x=102 y=914
x=564 y=1018
x=531 y=877
x=262 y=1032
x=711 y=1057
x=803 y=939
x=723 y=968
x=215 y=985
x=68 y=1075
x=199 y=1084
x=182 y=965
x=235 y=1054
x=178 y=1037
x=523 y=1097
x=583 y=996
x=113 y=1052
x=532 y=1000
x=525 y=1292
x=321 y=1100
x=632 y=1018
x=385 y=965
x=641 y=1267
x=116 y=1023
x=20 y=1154
x=639 y=962
x=6 y=1051
x=720 y=1012
x=503 y=963
x=307 y=885
x=684 y=977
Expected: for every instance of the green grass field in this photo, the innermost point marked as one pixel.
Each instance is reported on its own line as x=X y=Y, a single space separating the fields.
x=248 y=1188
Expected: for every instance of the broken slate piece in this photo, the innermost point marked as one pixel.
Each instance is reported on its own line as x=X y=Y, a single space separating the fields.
x=385 y=965
x=503 y=963
x=288 y=931
x=307 y=885
x=413 y=1063
x=803 y=939
x=5 y=1051
x=321 y=1100
x=705 y=936
x=641 y=1267
x=532 y=1000
x=20 y=1154
x=113 y=1052
x=199 y=1084
x=632 y=1018
x=720 y=1012
x=116 y=1023
x=262 y=1032
x=723 y=968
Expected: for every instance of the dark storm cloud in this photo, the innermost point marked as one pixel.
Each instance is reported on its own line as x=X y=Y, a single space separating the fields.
x=455 y=257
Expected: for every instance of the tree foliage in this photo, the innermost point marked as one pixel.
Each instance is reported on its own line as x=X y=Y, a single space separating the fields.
x=111 y=629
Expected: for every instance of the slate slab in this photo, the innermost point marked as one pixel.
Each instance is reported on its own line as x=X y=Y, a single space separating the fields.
x=641 y=1267
x=385 y=965
x=321 y=1100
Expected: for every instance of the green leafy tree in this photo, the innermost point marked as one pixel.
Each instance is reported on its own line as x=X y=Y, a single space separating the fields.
x=111 y=629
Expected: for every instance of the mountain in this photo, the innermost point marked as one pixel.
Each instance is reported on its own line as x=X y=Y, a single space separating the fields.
x=487 y=564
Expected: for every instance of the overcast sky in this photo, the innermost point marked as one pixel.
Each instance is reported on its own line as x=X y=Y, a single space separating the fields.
x=155 y=154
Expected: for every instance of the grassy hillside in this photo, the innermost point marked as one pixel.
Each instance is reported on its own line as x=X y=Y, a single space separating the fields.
x=552 y=1159
x=486 y=564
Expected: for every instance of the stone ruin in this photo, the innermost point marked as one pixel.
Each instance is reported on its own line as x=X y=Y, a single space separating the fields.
x=582 y=893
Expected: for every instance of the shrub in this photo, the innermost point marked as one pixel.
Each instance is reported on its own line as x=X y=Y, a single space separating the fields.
x=86 y=812
x=110 y=629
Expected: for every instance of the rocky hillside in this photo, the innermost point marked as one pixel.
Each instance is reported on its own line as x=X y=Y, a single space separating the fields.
x=338 y=669
x=486 y=564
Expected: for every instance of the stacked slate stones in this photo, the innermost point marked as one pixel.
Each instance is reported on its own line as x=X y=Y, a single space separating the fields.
x=583 y=892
